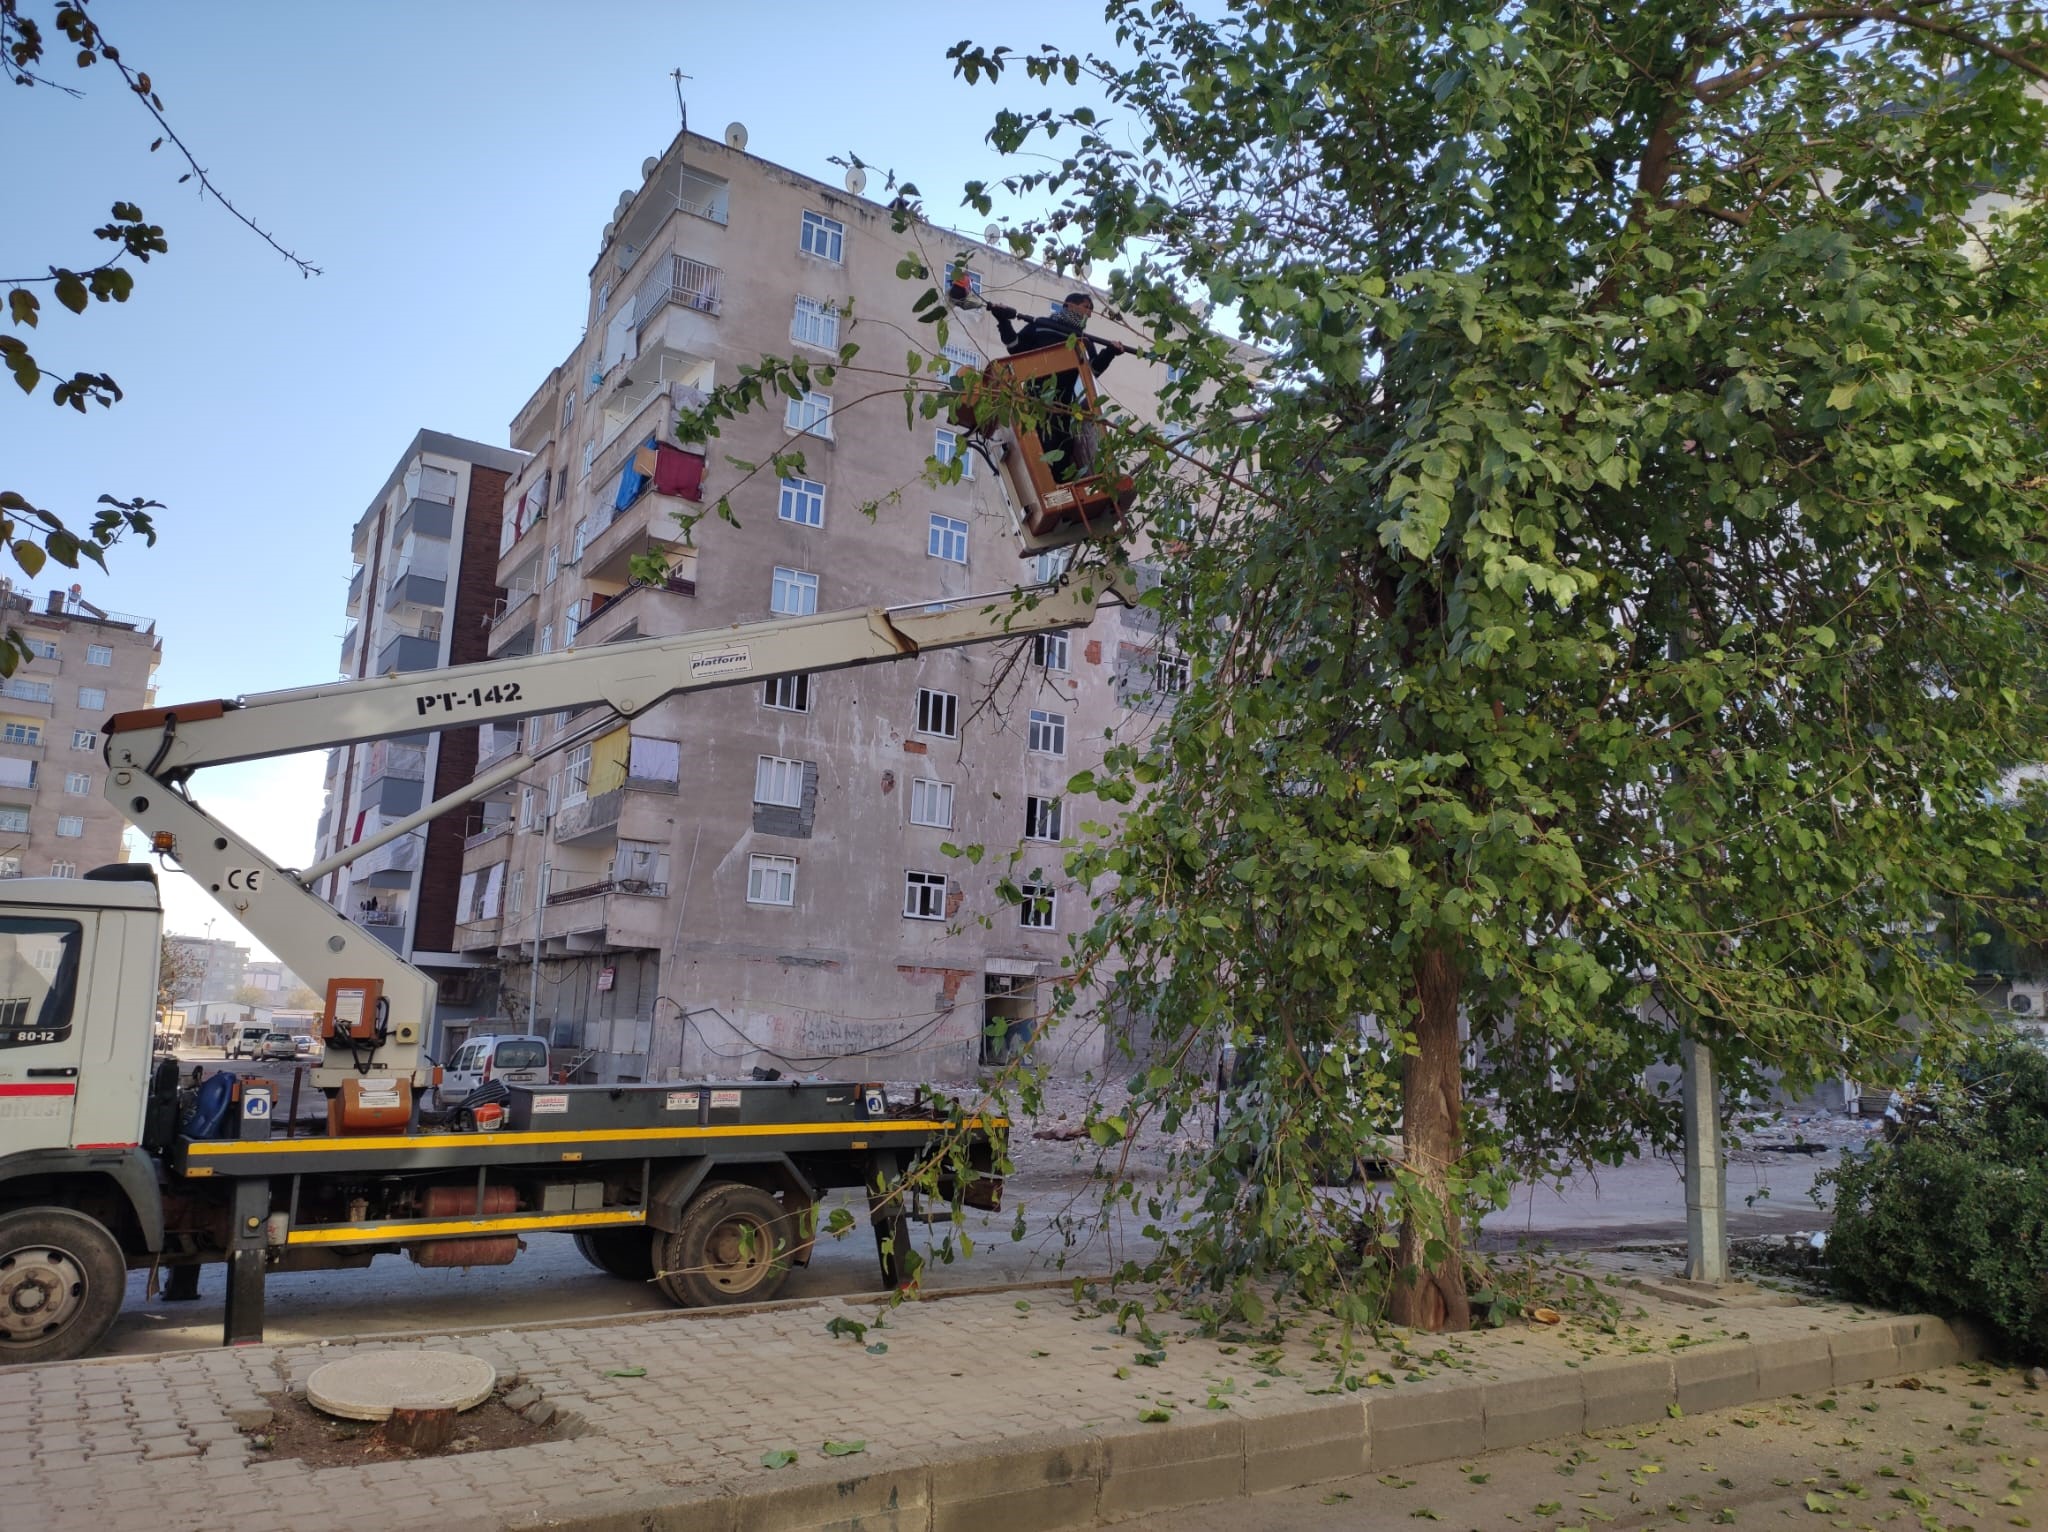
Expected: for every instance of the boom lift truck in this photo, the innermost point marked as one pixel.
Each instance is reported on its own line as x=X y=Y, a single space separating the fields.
x=710 y=1188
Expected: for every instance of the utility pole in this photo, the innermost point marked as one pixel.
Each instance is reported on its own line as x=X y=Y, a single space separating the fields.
x=1706 y=1168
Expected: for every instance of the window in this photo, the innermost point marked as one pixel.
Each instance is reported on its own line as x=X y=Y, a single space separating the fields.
x=10 y=866
x=959 y=359
x=954 y=273
x=771 y=880
x=547 y=638
x=568 y=410
x=71 y=826
x=529 y=808
x=92 y=697
x=98 y=654
x=924 y=896
x=515 y=895
x=554 y=563
x=794 y=593
x=931 y=803
x=947 y=539
x=81 y=739
x=13 y=819
x=803 y=502
x=604 y=296
x=46 y=649
x=589 y=457
x=572 y=623
x=1048 y=733
x=811 y=414
x=1050 y=565
x=16 y=733
x=576 y=775
x=582 y=535
x=946 y=448
x=1170 y=673
x=1041 y=818
x=1036 y=909
x=1175 y=372
x=78 y=783
x=1049 y=651
x=937 y=713
x=790 y=694
x=27 y=691
x=824 y=237
x=63 y=869
x=815 y=324
x=778 y=781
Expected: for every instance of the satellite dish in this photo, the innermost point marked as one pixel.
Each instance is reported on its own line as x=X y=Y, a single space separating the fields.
x=1084 y=269
x=606 y=236
x=647 y=165
x=625 y=201
x=735 y=135
x=856 y=180
x=992 y=233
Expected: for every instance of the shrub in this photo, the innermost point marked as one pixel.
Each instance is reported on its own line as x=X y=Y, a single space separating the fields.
x=1952 y=1217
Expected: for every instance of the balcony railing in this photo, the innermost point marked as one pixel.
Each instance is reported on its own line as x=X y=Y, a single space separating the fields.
x=592 y=887
x=355 y=587
x=487 y=834
x=592 y=816
x=676 y=279
x=494 y=743
x=385 y=759
x=377 y=917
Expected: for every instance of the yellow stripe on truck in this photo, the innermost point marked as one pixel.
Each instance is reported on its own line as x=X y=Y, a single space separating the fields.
x=413 y=1228
x=873 y=1128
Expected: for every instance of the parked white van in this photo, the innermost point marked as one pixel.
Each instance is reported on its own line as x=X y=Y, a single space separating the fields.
x=512 y=1059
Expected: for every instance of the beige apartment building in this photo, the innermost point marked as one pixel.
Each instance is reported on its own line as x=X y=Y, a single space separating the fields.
x=757 y=876
x=85 y=664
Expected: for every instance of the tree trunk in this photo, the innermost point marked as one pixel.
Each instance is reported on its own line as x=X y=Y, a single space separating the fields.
x=1432 y=1094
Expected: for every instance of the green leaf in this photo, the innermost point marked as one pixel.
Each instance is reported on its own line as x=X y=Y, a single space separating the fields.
x=779 y=1457
x=1818 y=1502
x=29 y=556
x=625 y=1372
x=1155 y=1416
x=878 y=1348
x=71 y=292
x=844 y=1449
x=22 y=306
x=1674 y=1411
x=839 y=1324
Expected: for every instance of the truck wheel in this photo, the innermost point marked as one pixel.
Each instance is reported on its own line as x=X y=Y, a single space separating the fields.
x=62 y=1278
x=732 y=1247
x=623 y=1253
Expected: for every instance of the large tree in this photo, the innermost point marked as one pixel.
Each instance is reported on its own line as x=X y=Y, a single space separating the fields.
x=1614 y=590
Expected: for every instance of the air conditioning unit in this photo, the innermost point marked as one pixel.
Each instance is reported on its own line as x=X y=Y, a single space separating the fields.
x=2029 y=1001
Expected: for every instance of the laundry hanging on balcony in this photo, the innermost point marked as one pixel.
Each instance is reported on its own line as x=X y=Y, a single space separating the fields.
x=677 y=472
x=634 y=477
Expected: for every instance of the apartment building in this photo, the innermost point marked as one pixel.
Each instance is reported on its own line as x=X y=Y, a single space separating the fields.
x=216 y=968
x=85 y=664
x=760 y=876
x=420 y=596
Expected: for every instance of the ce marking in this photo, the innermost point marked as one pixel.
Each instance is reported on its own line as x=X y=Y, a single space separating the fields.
x=246 y=879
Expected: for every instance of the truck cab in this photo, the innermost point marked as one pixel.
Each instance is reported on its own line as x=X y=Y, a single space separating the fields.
x=78 y=973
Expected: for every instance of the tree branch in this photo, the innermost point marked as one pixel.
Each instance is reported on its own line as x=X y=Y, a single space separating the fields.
x=1858 y=14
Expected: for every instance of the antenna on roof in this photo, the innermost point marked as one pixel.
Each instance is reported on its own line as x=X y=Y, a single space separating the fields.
x=682 y=106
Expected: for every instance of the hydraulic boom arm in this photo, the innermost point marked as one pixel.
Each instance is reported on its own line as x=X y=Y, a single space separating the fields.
x=152 y=752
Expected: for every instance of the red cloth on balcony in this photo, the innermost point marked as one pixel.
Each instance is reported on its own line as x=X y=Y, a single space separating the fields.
x=677 y=472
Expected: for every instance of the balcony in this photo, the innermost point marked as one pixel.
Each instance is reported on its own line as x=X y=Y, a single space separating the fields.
x=389 y=866
x=426 y=518
x=598 y=913
x=494 y=742
x=411 y=589
x=681 y=190
x=414 y=648
x=348 y=647
x=676 y=279
x=648 y=525
x=355 y=592
x=405 y=763
x=478 y=935
x=487 y=846
x=513 y=624
x=17 y=772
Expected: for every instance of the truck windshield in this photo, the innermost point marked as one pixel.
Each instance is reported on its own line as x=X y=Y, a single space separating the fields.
x=38 y=976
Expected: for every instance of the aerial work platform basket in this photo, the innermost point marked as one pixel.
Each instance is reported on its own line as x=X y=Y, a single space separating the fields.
x=1007 y=405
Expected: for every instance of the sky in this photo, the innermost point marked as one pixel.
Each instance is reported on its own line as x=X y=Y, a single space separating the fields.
x=449 y=165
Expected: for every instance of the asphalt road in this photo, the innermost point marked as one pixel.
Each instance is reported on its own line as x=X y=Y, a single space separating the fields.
x=1964 y=1449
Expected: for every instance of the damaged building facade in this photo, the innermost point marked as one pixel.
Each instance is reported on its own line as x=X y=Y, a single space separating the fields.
x=762 y=875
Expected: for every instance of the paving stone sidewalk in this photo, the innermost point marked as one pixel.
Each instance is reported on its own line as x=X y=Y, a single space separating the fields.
x=998 y=1409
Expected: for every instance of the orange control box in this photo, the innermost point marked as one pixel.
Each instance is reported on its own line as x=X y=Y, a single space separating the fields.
x=370 y=1104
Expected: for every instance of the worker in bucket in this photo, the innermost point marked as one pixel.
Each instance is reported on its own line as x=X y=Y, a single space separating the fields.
x=1069 y=442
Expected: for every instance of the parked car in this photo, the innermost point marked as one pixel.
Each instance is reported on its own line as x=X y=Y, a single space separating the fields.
x=278 y=1045
x=510 y=1060
x=246 y=1042
x=309 y=1045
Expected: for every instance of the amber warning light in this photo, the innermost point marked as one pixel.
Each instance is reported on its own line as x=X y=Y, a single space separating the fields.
x=163 y=842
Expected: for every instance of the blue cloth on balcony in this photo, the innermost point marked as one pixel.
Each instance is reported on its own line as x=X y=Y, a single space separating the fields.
x=631 y=483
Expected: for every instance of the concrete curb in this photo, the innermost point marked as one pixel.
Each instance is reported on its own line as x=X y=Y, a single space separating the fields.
x=1057 y=1481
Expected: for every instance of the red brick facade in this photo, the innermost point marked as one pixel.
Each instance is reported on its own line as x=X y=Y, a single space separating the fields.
x=473 y=595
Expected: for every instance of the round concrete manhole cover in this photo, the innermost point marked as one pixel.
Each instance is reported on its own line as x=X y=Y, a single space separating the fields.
x=372 y=1385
